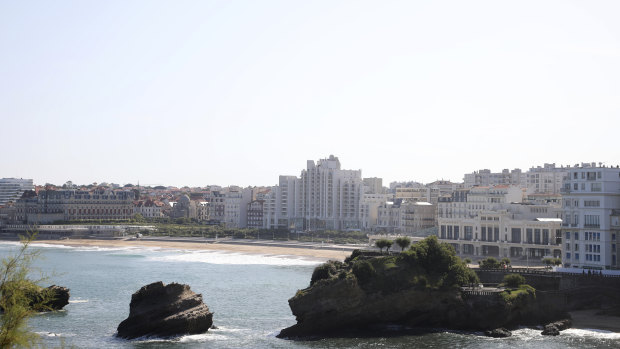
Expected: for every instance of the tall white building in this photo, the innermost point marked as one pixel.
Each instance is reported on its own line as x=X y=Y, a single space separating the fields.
x=591 y=194
x=12 y=189
x=329 y=196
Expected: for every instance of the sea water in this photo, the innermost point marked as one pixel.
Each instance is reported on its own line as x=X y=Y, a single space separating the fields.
x=247 y=293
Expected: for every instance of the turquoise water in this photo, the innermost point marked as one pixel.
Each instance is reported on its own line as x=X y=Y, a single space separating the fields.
x=247 y=293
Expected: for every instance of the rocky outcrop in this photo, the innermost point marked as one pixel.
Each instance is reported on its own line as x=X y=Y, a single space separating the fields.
x=498 y=333
x=58 y=297
x=418 y=288
x=159 y=310
x=554 y=328
x=47 y=299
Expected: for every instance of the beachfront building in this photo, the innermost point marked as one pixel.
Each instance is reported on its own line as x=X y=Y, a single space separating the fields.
x=591 y=198
x=255 y=214
x=493 y=221
x=148 y=208
x=48 y=206
x=330 y=196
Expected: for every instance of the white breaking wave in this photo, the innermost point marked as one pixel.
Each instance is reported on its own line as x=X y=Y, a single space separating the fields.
x=594 y=333
x=217 y=257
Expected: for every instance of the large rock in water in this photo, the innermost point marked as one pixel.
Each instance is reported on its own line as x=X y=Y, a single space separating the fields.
x=159 y=310
x=415 y=289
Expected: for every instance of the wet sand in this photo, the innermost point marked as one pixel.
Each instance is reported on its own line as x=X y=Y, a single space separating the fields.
x=318 y=254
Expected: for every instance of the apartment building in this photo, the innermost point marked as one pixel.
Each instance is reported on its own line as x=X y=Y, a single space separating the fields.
x=546 y=179
x=591 y=200
x=12 y=189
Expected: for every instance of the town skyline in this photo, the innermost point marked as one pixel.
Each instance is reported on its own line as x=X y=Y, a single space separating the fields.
x=275 y=181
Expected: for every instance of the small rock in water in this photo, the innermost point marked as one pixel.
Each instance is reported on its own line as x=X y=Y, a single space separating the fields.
x=550 y=330
x=498 y=333
x=159 y=310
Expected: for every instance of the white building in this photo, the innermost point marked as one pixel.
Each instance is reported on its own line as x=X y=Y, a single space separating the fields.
x=12 y=189
x=492 y=221
x=369 y=209
x=236 y=202
x=329 y=196
x=590 y=195
x=545 y=179
x=487 y=178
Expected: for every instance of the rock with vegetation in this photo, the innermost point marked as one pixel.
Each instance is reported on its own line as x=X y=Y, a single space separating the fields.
x=420 y=287
x=159 y=310
x=50 y=298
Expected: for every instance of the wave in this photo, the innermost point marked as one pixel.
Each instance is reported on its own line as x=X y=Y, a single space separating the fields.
x=79 y=301
x=52 y=334
x=593 y=333
x=218 y=257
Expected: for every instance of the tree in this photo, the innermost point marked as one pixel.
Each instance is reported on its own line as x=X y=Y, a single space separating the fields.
x=514 y=280
x=403 y=242
x=16 y=301
x=506 y=261
x=548 y=261
x=489 y=263
x=381 y=243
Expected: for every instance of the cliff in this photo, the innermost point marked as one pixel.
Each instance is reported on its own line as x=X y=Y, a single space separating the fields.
x=417 y=288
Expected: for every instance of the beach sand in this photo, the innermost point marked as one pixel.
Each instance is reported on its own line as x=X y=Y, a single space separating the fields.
x=587 y=319
x=318 y=254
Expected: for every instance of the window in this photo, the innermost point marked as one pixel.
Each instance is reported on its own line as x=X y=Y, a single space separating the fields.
x=596 y=187
x=537 y=236
x=592 y=221
x=515 y=235
x=576 y=256
x=567 y=255
x=576 y=186
x=568 y=235
x=528 y=235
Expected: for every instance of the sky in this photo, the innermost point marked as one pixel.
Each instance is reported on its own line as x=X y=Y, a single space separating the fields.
x=239 y=92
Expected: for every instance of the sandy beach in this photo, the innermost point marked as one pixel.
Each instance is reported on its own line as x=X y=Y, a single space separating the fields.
x=317 y=253
x=588 y=319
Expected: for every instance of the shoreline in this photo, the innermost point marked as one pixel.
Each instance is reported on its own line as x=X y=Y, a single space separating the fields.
x=589 y=320
x=309 y=252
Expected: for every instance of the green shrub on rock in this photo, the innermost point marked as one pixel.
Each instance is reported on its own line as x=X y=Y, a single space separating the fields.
x=363 y=270
x=514 y=280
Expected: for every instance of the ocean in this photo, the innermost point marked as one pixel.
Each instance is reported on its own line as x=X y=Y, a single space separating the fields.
x=247 y=293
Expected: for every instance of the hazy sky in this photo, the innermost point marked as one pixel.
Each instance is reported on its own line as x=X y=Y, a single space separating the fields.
x=239 y=92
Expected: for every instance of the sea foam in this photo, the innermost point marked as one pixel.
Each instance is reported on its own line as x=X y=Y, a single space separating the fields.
x=217 y=257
